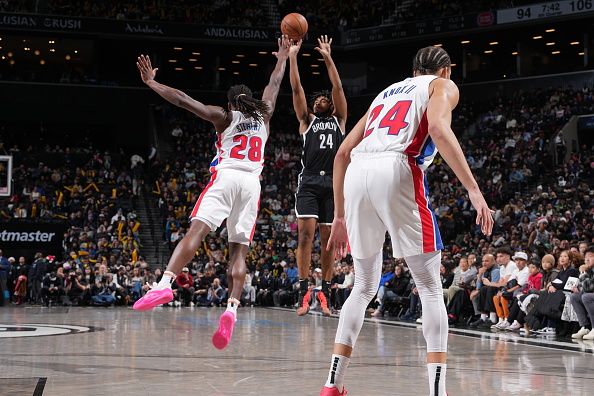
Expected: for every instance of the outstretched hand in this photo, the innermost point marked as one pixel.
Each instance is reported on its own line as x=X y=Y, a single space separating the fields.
x=295 y=47
x=339 y=239
x=324 y=45
x=484 y=215
x=283 y=47
x=147 y=73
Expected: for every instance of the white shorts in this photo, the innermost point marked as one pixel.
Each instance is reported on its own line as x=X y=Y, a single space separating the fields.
x=388 y=192
x=232 y=195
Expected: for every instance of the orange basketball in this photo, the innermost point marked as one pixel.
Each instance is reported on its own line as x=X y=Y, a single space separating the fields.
x=294 y=25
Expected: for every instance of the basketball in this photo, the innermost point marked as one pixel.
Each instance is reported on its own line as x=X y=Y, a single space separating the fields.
x=294 y=25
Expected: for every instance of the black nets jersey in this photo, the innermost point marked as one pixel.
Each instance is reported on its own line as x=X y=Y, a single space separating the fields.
x=320 y=144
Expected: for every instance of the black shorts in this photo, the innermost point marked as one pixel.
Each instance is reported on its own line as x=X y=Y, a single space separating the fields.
x=315 y=198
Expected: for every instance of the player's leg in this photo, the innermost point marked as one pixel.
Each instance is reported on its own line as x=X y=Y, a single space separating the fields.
x=327 y=259
x=241 y=224
x=306 y=229
x=325 y=218
x=307 y=210
x=425 y=271
x=212 y=207
x=367 y=277
x=366 y=237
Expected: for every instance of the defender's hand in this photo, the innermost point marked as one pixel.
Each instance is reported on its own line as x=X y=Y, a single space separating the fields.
x=147 y=73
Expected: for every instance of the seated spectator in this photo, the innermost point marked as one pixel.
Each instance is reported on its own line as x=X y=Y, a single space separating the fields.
x=464 y=275
x=549 y=306
x=265 y=289
x=77 y=289
x=482 y=296
x=185 y=284
x=343 y=290
x=513 y=289
x=314 y=296
x=582 y=299
x=216 y=293
x=52 y=289
x=283 y=295
x=396 y=289
x=103 y=291
x=248 y=295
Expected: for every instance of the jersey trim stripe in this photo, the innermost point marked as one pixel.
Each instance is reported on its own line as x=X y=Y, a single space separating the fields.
x=421 y=134
x=255 y=222
x=427 y=225
x=208 y=186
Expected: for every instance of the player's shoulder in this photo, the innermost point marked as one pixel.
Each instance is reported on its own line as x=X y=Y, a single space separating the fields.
x=444 y=84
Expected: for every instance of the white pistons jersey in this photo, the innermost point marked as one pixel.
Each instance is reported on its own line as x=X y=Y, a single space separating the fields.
x=397 y=122
x=241 y=145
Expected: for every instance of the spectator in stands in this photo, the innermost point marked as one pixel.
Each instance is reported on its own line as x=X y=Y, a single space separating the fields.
x=582 y=299
x=4 y=270
x=216 y=293
x=488 y=275
x=464 y=274
x=103 y=291
x=77 y=289
x=532 y=287
x=52 y=289
x=512 y=289
x=396 y=290
x=283 y=295
x=343 y=290
x=249 y=291
x=185 y=284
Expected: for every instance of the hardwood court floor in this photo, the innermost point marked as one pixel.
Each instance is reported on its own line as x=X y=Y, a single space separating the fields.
x=273 y=352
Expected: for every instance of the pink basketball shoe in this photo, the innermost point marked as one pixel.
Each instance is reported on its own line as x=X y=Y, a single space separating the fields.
x=332 y=392
x=153 y=298
x=221 y=337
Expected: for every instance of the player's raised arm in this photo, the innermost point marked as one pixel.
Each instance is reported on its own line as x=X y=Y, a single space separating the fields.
x=338 y=97
x=271 y=90
x=338 y=236
x=444 y=99
x=218 y=116
x=299 y=101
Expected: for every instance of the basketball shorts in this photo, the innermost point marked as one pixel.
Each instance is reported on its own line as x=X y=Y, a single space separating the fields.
x=315 y=197
x=388 y=192
x=233 y=195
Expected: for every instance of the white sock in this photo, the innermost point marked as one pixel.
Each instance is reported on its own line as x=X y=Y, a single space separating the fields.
x=165 y=282
x=232 y=306
x=437 y=379
x=338 y=366
x=483 y=316
x=493 y=317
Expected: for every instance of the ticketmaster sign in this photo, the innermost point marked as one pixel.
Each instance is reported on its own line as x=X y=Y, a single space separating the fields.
x=28 y=238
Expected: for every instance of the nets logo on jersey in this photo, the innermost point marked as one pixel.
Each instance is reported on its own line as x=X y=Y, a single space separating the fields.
x=324 y=126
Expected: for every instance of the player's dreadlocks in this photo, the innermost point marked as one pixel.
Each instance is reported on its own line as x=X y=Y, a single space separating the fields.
x=240 y=96
x=430 y=59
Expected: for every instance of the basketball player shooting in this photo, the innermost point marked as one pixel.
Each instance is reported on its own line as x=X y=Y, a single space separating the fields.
x=384 y=189
x=233 y=192
x=322 y=127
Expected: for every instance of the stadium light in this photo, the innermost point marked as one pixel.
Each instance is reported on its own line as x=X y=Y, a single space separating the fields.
x=306 y=54
x=493 y=43
x=315 y=73
x=262 y=52
x=222 y=68
x=555 y=52
x=314 y=65
x=580 y=53
x=42 y=62
x=67 y=57
x=172 y=61
x=465 y=42
x=193 y=60
x=574 y=43
x=178 y=48
x=550 y=30
x=198 y=67
x=235 y=61
x=36 y=52
x=240 y=56
x=195 y=53
x=551 y=43
x=536 y=37
x=236 y=73
x=52 y=50
x=488 y=51
x=515 y=53
x=453 y=64
x=253 y=64
x=438 y=45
